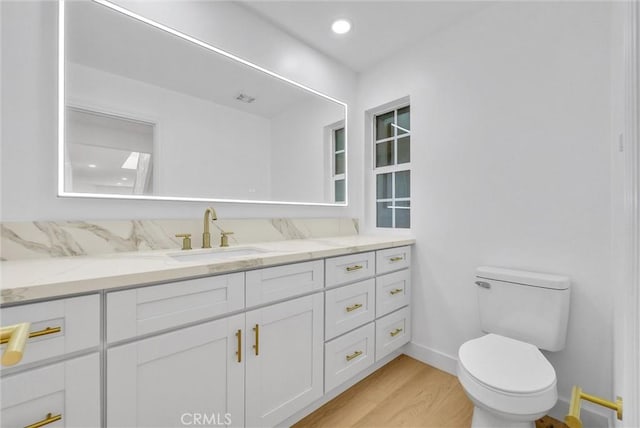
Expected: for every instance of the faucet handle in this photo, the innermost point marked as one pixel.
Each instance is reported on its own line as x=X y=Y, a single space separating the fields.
x=224 y=240
x=186 y=240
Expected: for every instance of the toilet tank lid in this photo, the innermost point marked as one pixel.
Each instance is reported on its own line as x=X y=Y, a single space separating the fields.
x=535 y=279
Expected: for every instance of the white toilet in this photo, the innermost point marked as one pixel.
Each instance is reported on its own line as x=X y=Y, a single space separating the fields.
x=504 y=373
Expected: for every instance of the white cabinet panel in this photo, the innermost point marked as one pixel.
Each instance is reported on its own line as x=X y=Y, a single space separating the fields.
x=392 y=291
x=280 y=282
x=351 y=268
x=393 y=259
x=70 y=389
x=166 y=380
x=131 y=313
x=392 y=331
x=348 y=355
x=284 y=365
x=74 y=324
x=349 y=307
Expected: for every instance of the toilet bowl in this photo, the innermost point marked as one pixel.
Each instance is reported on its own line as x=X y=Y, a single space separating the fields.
x=510 y=382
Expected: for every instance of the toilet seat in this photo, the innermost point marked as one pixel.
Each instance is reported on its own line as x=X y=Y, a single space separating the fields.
x=507 y=376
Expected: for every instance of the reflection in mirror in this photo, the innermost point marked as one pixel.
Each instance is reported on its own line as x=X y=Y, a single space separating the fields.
x=151 y=113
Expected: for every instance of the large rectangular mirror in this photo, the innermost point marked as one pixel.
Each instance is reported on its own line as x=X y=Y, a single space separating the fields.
x=148 y=112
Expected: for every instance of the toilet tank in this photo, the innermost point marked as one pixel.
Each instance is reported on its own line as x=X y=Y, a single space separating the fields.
x=527 y=306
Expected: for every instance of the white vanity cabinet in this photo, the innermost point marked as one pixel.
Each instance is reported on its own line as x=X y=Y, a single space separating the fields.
x=170 y=379
x=284 y=371
x=255 y=368
x=64 y=392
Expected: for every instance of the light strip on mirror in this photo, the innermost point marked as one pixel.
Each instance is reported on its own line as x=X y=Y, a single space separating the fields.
x=61 y=110
x=61 y=99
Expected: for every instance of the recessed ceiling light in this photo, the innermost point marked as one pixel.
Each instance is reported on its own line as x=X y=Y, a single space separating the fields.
x=341 y=26
x=92 y=165
x=124 y=178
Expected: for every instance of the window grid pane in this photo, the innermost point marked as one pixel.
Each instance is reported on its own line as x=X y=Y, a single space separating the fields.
x=392 y=144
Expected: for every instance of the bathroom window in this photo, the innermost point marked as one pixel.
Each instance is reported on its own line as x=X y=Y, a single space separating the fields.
x=392 y=167
x=338 y=159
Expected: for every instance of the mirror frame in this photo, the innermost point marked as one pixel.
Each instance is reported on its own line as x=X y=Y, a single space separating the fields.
x=186 y=37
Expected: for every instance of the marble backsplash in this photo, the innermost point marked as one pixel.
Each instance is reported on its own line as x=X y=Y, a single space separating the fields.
x=42 y=239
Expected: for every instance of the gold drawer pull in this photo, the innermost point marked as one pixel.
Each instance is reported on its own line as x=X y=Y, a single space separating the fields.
x=396 y=291
x=395 y=332
x=354 y=355
x=46 y=421
x=256 y=329
x=396 y=259
x=239 y=351
x=43 y=332
x=16 y=338
x=354 y=267
x=353 y=307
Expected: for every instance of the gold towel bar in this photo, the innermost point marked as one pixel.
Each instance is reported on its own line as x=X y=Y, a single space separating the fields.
x=573 y=418
x=49 y=419
x=15 y=336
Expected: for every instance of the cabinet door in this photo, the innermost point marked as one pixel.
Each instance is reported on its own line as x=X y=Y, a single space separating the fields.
x=178 y=378
x=284 y=366
x=65 y=394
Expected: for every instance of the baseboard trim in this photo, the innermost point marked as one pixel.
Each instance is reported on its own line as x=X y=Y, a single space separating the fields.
x=430 y=356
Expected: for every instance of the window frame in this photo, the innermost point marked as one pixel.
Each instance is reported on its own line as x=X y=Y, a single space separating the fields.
x=393 y=169
x=331 y=152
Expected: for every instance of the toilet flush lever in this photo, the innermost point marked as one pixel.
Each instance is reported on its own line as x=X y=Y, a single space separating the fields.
x=483 y=284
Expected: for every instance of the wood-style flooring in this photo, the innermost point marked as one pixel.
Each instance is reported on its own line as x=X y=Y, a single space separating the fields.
x=404 y=393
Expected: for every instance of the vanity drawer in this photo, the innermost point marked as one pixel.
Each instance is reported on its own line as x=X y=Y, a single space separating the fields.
x=144 y=310
x=351 y=268
x=392 y=332
x=348 y=355
x=60 y=326
x=280 y=282
x=392 y=291
x=393 y=259
x=349 y=307
x=69 y=391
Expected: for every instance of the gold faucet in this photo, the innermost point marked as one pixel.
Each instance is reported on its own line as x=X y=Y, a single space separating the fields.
x=206 y=235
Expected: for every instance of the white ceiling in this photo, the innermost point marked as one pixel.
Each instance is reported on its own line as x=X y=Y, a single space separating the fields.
x=379 y=28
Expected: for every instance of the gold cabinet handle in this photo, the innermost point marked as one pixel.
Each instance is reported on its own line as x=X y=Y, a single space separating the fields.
x=256 y=329
x=396 y=259
x=353 y=307
x=354 y=267
x=395 y=291
x=395 y=332
x=45 y=331
x=49 y=419
x=15 y=336
x=239 y=351
x=354 y=355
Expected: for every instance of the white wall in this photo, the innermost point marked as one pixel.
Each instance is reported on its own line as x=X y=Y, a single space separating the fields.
x=510 y=130
x=29 y=108
x=199 y=145
x=300 y=148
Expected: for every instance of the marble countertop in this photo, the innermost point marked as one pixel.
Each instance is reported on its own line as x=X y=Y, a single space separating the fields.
x=37 y=279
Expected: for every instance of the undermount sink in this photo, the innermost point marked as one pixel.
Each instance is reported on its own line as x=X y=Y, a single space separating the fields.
x=215 y=254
